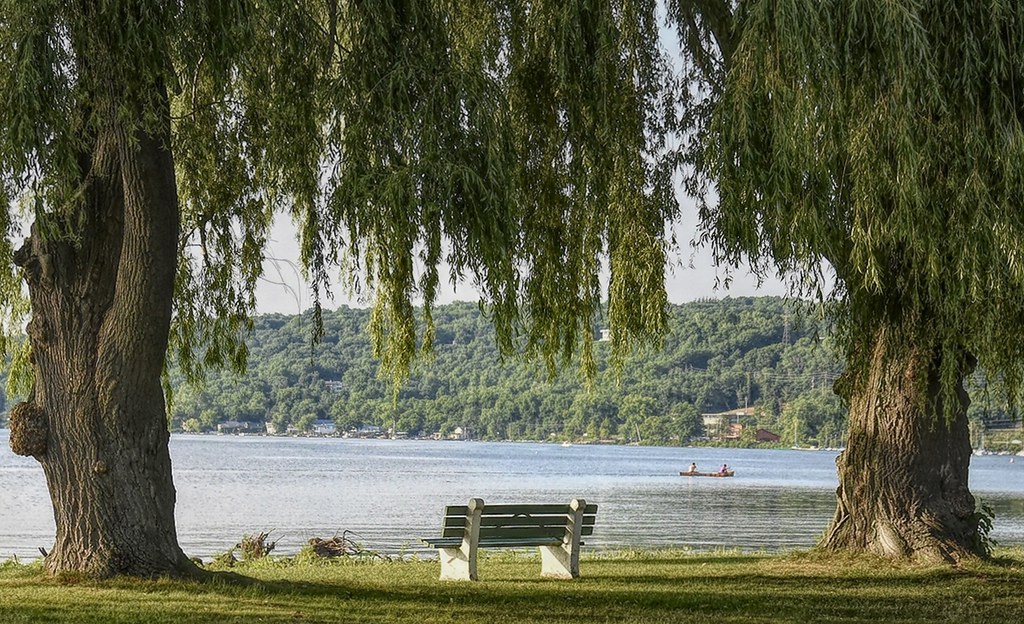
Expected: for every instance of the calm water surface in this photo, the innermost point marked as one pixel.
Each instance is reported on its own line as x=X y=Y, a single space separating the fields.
x=391 y=492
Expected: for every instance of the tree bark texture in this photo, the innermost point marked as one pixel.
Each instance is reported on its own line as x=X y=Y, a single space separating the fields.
x=101 y=312
x=903 y=476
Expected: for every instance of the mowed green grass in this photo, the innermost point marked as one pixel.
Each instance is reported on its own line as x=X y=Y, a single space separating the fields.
x=627 y=587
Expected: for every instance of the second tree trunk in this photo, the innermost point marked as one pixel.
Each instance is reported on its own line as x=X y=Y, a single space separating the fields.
x=903 y=477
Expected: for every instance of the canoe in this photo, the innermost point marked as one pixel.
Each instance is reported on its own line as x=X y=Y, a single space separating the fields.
x=728 y=473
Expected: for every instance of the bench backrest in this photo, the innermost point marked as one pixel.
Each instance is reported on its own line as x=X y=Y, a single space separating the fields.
x=518 y=521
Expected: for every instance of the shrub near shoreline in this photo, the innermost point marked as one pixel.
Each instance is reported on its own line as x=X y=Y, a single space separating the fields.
x=632 y=586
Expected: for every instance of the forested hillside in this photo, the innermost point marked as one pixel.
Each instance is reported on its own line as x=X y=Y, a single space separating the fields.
x=719 y=355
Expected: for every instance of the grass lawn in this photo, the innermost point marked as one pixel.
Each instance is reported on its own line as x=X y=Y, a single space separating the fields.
x=626 y=587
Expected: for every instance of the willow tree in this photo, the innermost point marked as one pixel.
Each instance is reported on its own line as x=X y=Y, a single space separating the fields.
x=151 y=143
x=882 y=140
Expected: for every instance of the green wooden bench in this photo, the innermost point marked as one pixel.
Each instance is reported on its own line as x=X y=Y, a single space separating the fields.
x=556 y=529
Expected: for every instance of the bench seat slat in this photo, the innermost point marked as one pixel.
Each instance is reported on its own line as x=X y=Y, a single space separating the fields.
x=457 y=532
x=518 y=543
x=462 y=510
x=489 y=532
x=518 y=508
x=441 y=542
x=523 y=543
x=522 y=532
x=532 y=509
x=460 y=521
x=486 y=521
x=434 y=542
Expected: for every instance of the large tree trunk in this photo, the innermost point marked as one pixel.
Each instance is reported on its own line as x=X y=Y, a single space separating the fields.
x=101 y=311
x=903 y=476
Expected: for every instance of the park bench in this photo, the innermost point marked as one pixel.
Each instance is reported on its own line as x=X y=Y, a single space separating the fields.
x=556 y=529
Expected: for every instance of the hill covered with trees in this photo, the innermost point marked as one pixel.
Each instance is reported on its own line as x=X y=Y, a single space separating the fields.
x=719 y=355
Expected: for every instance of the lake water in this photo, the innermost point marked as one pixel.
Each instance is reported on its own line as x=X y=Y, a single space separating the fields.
x=391 y=492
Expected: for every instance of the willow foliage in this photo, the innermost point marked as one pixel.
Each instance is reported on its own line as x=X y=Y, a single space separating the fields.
x=885 y=139
x=522 y=133
x=519 y=143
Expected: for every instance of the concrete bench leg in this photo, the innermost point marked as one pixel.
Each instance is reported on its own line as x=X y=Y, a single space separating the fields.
x=457 y=564
x=563 y=561
x=559 y=562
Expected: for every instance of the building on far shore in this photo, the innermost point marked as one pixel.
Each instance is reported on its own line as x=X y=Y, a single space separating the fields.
x=365 y=431
x=324 y=427
x=457 y=433
x=244 y=426
x=726 y=425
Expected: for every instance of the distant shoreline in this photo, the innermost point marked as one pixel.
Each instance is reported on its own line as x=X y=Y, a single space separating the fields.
x=557 y=442
x=691 y=444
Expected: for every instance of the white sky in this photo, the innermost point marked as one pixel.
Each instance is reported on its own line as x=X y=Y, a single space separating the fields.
x=683 y=282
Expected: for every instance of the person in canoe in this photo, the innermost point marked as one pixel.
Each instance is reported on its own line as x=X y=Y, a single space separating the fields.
x=724 y=469
x=693 y=467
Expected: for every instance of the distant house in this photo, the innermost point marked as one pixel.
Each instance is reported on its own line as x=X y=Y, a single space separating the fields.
x=763 y=435
x=734 y=431
x=726 y=425
x=335 y=386
x=365 y=431
x=235 y=426
x=457 y=434
x=324 y=427
x=606 y=335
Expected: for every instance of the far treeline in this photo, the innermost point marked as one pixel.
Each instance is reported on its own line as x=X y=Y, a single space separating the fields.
x=718 y=355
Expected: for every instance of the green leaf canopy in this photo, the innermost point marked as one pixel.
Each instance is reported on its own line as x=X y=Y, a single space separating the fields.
x=885 y=139
x=517 y=142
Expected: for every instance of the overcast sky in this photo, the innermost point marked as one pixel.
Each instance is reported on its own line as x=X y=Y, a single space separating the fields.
x=683 y=282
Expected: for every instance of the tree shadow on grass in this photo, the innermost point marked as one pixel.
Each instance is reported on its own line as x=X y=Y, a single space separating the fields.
x=652 y=597
x=511 y=594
